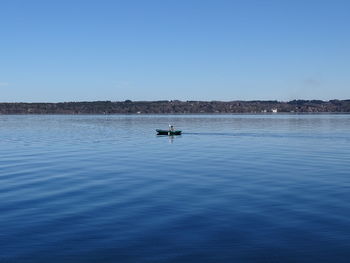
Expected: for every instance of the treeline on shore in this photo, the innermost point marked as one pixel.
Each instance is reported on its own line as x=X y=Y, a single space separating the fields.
x=175 y=107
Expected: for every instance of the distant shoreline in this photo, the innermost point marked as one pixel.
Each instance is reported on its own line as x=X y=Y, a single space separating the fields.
x=177 y=107
x=176 y=114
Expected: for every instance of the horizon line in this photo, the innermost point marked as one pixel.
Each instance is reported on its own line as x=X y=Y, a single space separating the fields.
x=175 y=100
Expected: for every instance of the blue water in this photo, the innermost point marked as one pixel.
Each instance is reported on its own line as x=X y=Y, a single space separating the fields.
x=232 y=188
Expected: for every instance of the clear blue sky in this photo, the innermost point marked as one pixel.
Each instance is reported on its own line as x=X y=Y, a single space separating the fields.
x=171 y=49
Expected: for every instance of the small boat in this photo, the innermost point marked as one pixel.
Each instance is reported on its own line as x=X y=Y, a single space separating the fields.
x=168 y=132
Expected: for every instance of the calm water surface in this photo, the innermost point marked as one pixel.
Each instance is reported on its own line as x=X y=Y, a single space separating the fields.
x=241 y=188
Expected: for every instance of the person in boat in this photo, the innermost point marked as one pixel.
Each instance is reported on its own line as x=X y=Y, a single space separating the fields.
x=171 y=128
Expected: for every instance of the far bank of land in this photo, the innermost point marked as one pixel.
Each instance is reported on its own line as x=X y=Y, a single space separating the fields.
x=177 y=107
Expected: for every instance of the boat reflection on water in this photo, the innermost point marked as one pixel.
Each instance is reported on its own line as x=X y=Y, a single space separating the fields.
x=170 y=133
x=171 y=138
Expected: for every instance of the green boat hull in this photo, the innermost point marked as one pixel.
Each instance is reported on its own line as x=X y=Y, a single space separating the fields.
x=167 y=132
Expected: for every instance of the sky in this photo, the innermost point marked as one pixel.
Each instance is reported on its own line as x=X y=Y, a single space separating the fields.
x=58 y=50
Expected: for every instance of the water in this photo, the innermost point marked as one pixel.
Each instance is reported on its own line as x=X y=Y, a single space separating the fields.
x=241 y=188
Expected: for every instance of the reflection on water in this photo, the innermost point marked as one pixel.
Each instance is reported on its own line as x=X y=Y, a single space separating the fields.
x=171 y=138
x=232 y=188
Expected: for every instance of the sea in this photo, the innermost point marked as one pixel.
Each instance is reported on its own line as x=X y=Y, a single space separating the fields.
x=231 y=188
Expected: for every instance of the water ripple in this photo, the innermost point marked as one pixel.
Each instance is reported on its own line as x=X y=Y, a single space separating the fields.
x=232 y=188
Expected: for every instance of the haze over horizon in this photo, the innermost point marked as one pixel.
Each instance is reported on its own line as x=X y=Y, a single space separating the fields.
x=174 y=50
